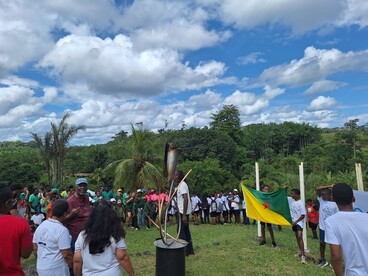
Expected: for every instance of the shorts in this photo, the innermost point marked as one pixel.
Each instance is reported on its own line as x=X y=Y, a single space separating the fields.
x=264 y=223
x=196 y=212
x=236 y=212
x=213 y=214
x=321 y=235
x=225 y=213
x=297 y=228
x=312 y=225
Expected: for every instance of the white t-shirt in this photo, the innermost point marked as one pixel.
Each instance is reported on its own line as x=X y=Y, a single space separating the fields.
x=350 y=231
x=183 y=189
x=37 y=219
x=297 y=209
x=326 y=209
x=103 y=264
x=195 y=203
x=172 y=210
x=51 y=237
x=219 y=205
x=225 y=203
x=235 y=203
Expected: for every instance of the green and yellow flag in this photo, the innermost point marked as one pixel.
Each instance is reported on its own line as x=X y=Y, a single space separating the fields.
x=270 y=207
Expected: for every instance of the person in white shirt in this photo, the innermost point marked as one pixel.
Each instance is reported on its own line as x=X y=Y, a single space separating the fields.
x=326 y=209
x=51 y=243
x=235 y=201
x=347 y=232
x=37 y=218
x=185 y=208
x=196 y=203
x=298 y=213
x=100 y=248
x=225 y=207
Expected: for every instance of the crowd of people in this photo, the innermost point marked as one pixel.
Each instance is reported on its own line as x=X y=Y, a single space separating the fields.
x=67 y=239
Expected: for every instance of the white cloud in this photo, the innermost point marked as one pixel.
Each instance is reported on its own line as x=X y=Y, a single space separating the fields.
x=300 y=16
x=316 y=64
x=355 y=14
x=250 y=103
x=180 y=34
x=112 y=66
x=322 y=103
x=24 y=32
x=324 y=86
x=252 y=58
x=205 y=100
x=15 y=80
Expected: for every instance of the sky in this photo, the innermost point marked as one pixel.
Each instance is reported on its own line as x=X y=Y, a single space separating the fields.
x=114 y=64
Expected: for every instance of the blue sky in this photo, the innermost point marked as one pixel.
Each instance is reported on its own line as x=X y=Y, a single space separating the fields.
x=113 y=64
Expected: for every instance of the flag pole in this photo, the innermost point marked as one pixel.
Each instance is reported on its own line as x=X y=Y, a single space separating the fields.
x=359 y=177
x=258 y=188
x=302 y=197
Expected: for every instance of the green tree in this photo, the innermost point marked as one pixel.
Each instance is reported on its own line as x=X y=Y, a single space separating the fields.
x=208 y=176
x=227 y=120
x=138 y=170
x=62 y=133
x=45 y=149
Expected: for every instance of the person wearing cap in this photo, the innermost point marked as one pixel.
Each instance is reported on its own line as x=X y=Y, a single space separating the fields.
x=346 y=232
x=79 y=209
x=235 y=200
x=16 y=236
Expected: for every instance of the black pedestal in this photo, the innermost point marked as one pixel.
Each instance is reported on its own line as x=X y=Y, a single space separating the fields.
x=170 y=260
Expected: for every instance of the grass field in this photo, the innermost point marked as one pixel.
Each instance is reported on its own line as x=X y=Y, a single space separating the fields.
x=226 y=250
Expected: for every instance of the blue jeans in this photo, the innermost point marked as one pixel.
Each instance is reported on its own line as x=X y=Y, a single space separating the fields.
x=140 y=217
x=72 y=247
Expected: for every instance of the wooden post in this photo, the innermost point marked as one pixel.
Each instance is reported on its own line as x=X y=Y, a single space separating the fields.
x=257 y=188
x=359 y=177
x=302 y=197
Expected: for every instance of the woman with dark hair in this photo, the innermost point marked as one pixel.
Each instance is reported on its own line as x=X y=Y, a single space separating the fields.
x=100 y=248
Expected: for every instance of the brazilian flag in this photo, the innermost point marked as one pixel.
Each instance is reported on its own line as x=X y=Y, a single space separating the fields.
x=270 y=207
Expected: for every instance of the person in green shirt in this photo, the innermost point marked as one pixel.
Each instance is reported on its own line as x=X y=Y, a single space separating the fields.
x=107 y=193
x=34 y=201
x=140 y=206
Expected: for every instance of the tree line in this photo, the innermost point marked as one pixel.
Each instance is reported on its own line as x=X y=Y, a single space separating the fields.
x=220 y=155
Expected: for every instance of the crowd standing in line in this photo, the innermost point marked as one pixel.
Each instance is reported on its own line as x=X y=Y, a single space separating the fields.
x=139 y=209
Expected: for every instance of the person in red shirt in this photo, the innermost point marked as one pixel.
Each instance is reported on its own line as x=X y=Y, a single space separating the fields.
x=313 y=217
x=16 y=236
x=79 y=209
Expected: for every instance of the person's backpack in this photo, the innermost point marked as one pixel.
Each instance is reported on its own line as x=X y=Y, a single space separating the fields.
x=220 y=207
x=205 y=204
x=213 y=205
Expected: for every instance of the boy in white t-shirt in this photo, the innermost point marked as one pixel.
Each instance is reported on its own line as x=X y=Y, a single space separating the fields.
x=326 y=209
x=298 y=213
x=347 y=232
x=37 y=218
x=51 y=243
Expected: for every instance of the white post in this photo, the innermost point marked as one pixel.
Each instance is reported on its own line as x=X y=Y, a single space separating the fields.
x=302 y=197
x=257 y=188
x=359 y=177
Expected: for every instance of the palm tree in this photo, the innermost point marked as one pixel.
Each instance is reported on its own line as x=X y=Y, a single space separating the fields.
x=138 y=170
x=62 y=133
x=45 y=148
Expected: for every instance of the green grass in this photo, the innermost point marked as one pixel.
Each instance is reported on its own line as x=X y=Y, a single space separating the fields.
x=226 y=250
